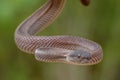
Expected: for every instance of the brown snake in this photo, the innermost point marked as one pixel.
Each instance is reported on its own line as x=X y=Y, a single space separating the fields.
x=66 y=49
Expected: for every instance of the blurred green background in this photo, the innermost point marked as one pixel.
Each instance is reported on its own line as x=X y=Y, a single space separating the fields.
x=99 y=22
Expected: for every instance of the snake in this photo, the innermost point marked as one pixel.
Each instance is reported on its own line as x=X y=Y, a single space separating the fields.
x=68 y=49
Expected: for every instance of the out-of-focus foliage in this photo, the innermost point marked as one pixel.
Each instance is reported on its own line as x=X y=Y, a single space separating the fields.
x=99 y=22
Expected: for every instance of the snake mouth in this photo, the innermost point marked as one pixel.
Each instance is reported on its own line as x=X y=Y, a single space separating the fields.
x=85 y=62
x=82 y=61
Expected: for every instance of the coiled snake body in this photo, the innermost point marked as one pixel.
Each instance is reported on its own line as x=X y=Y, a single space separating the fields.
x=67 y=49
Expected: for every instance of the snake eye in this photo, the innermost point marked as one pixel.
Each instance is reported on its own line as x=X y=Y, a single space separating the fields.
x=78 y=56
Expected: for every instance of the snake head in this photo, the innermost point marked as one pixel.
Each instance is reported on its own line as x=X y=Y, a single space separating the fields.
x=79 y=57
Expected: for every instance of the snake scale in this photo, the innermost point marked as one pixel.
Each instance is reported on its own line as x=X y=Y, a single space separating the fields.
x=65 y=49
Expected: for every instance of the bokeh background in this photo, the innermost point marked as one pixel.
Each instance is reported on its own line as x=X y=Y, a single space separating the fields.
x=99 y=22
